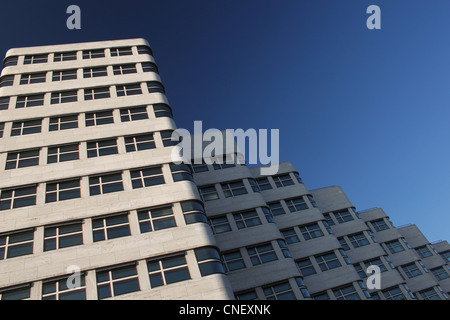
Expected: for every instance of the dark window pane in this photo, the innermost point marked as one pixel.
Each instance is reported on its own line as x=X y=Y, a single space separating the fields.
x=177 y=275
x=126 y=286
x=72 y=240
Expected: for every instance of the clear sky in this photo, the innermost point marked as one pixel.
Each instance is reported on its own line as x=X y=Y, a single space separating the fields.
x=368 y=110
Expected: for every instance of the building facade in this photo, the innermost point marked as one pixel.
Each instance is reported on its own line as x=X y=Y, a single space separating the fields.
x=87 y=180
x=92 y=206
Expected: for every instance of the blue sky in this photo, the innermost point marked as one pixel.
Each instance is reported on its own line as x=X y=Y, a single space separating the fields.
x=364 y=109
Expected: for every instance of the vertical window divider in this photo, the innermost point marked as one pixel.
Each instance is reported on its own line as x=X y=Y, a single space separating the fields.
x=40 y=193
x=126 y=180
x=38 y=243
x=134 y=224
x=116 y=114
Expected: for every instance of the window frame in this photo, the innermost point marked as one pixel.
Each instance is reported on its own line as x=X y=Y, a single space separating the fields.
x=98 y=187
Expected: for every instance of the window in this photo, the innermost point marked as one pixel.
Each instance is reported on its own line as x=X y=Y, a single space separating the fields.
x=193 y=211
x=140 y=142
x=18 y=197
x=64 y=75
x=429 y=294
x=343 y=216
x=394 y=246
x=149 y=67
x=233 y=189
x=4 y=103
x=63 y=236
x=343 y=243
x=62 y=153
x=276 y=208
x=63 y=123
x=155 y=219
x=208 y=193
x=445 y=255
x=132 y=114
x=253 y=185
x=249 y=295
x=283 y=180
x=124 y=69
x=411 y=270
x=440 y=273
x=346 y=293
x=328 y=261
x=64 y=97
x=62 y=190
x=2 y=129
x=379 y=225
x=296 y=204
x=321 y=296
x=376 y=262
x=146 y=177
x=96 y=93
x=26 y=127
x=311 y=231
x=6 y=81
x=21 y=293
x=263 y=184
x=220 y=224
x=59 y=290
x=30 y=78
x=117 y=281
x=201 y=167
x=281 y=291
x=16 y=244
x=10 y=61
x=166 y=137
x=423 y=252
x=99 y=118
x=290 y=236
x=154 y=86
x=162 y=110
x=393 y=294
x=110 y=227
x=93 y=54
x=128 y=90
x=233 y=261
x=94 y=72
x=283 y=246
x=167 y=270
x=305 y=266
x=181 y=172
x=223 y=163
x=35 y=59
x=124 y=51
x=209 y=262
x=144 y=50
x=22 y=159
x=105 y=184
x=65 y=56
x=246 y=219
x=328 y=219
x=358 y=240
x=313 y=202
x=30 y=101
x=101 y=148
x=262 y=254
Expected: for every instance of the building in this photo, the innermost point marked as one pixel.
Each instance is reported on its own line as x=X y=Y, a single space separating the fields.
x=87 y=180
x=89 y=192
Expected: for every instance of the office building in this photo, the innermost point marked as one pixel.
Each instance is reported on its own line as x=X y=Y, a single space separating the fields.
x=89 y=192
